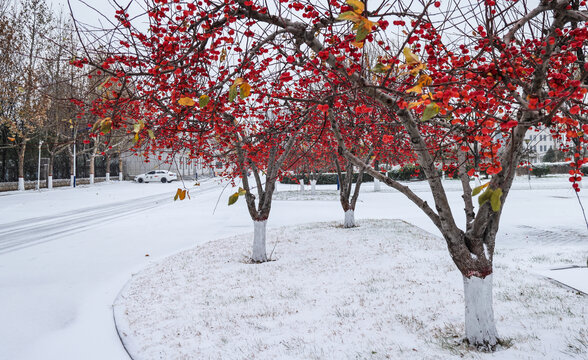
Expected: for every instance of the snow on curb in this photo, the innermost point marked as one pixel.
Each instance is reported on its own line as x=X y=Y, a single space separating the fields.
x=574 y=277
x=383 y=290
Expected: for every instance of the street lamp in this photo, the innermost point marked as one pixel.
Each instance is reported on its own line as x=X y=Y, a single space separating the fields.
x=73 y=176
x=39 y=167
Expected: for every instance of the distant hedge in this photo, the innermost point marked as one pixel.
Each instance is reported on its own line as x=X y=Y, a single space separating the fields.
x=405 y=173
x=540 y=170
x=322 y=179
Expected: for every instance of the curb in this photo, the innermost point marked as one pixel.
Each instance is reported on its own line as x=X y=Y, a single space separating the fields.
x=114 y=316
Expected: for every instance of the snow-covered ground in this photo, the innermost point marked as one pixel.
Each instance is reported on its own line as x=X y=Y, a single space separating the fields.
x=385 y=290
x=78 y=247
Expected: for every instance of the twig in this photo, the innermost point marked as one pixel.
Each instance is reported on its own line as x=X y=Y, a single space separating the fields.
x=582 y=207
x=219 y=197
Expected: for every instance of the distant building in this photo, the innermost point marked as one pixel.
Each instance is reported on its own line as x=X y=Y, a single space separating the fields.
x=537 y=142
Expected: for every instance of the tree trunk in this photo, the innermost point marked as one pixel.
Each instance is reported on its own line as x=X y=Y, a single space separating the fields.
x=376 y=185
x=120 y=168
x=50 y=171
x=313 y=187
x=259 y=231
x=92 y=167
x=21 y=159
x=301 y=184
x=480 y=327
x=71 y=169
x=93 y=160
x=107 y=167
x=349 y=219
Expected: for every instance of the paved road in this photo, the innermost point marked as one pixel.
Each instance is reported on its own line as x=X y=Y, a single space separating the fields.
x=29 y=232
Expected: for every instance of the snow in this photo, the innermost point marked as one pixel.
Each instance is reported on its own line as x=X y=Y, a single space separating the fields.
x=574 y=277
x=336 y=293
x=68 y=252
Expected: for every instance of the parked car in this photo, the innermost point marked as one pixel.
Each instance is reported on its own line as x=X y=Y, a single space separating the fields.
x=157 y=175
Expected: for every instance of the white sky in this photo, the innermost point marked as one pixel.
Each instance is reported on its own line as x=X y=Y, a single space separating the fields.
x=85 y=11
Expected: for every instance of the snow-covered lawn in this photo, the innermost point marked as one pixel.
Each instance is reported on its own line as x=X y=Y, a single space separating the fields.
x=57 y=287
x=385 y=290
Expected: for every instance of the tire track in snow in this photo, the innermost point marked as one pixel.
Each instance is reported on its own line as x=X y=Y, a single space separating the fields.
x=29 y=232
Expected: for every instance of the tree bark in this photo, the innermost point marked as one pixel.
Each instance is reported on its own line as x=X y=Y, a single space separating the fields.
x=376 y=185
x=259 y=233
x=92 y=160
x=50 y=170
x=107 y=167
x=120 y=168
x=349 y=221
x=480 y=327
x=21 y=159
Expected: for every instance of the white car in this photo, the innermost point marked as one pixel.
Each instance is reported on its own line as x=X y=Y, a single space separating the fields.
x=157 y=175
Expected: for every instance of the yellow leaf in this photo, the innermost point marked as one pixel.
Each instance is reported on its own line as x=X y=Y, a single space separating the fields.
x=186 y=101
x=411 y=58
x=486 y=195
x=11 y=139
x=203 y=101
x=238 y=81
x=478 y=189
x=96 y=125
x=430 y=111
x=357 y=5
x=414 y=104
x=245 y=90
x=232 y=93
x=418 y=88
x=495 y=202
x=357 y=44
x=233 y=198
x=241 y=191
x=381 y=68
x=351 y=16
x=182 y=194
x=106 y=125
x=425 y=80
x=364 y=27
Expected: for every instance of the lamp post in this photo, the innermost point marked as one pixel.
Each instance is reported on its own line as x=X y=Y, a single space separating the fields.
x=73 y=177
x=39 y=167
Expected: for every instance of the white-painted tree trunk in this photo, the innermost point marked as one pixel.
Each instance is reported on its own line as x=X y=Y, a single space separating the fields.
x=480 y=328
x=259 y=254
x=107 y=176
x=120 y=176
x=443 y=175
x=91 y=178
x=377 y=185
x=301 y=184
x=313 y=186
x=21 y=186
x=50 y=182
x=349 y=219
x=71 y=181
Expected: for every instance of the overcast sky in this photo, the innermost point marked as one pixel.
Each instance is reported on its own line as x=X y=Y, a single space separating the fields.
x=87 y=11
